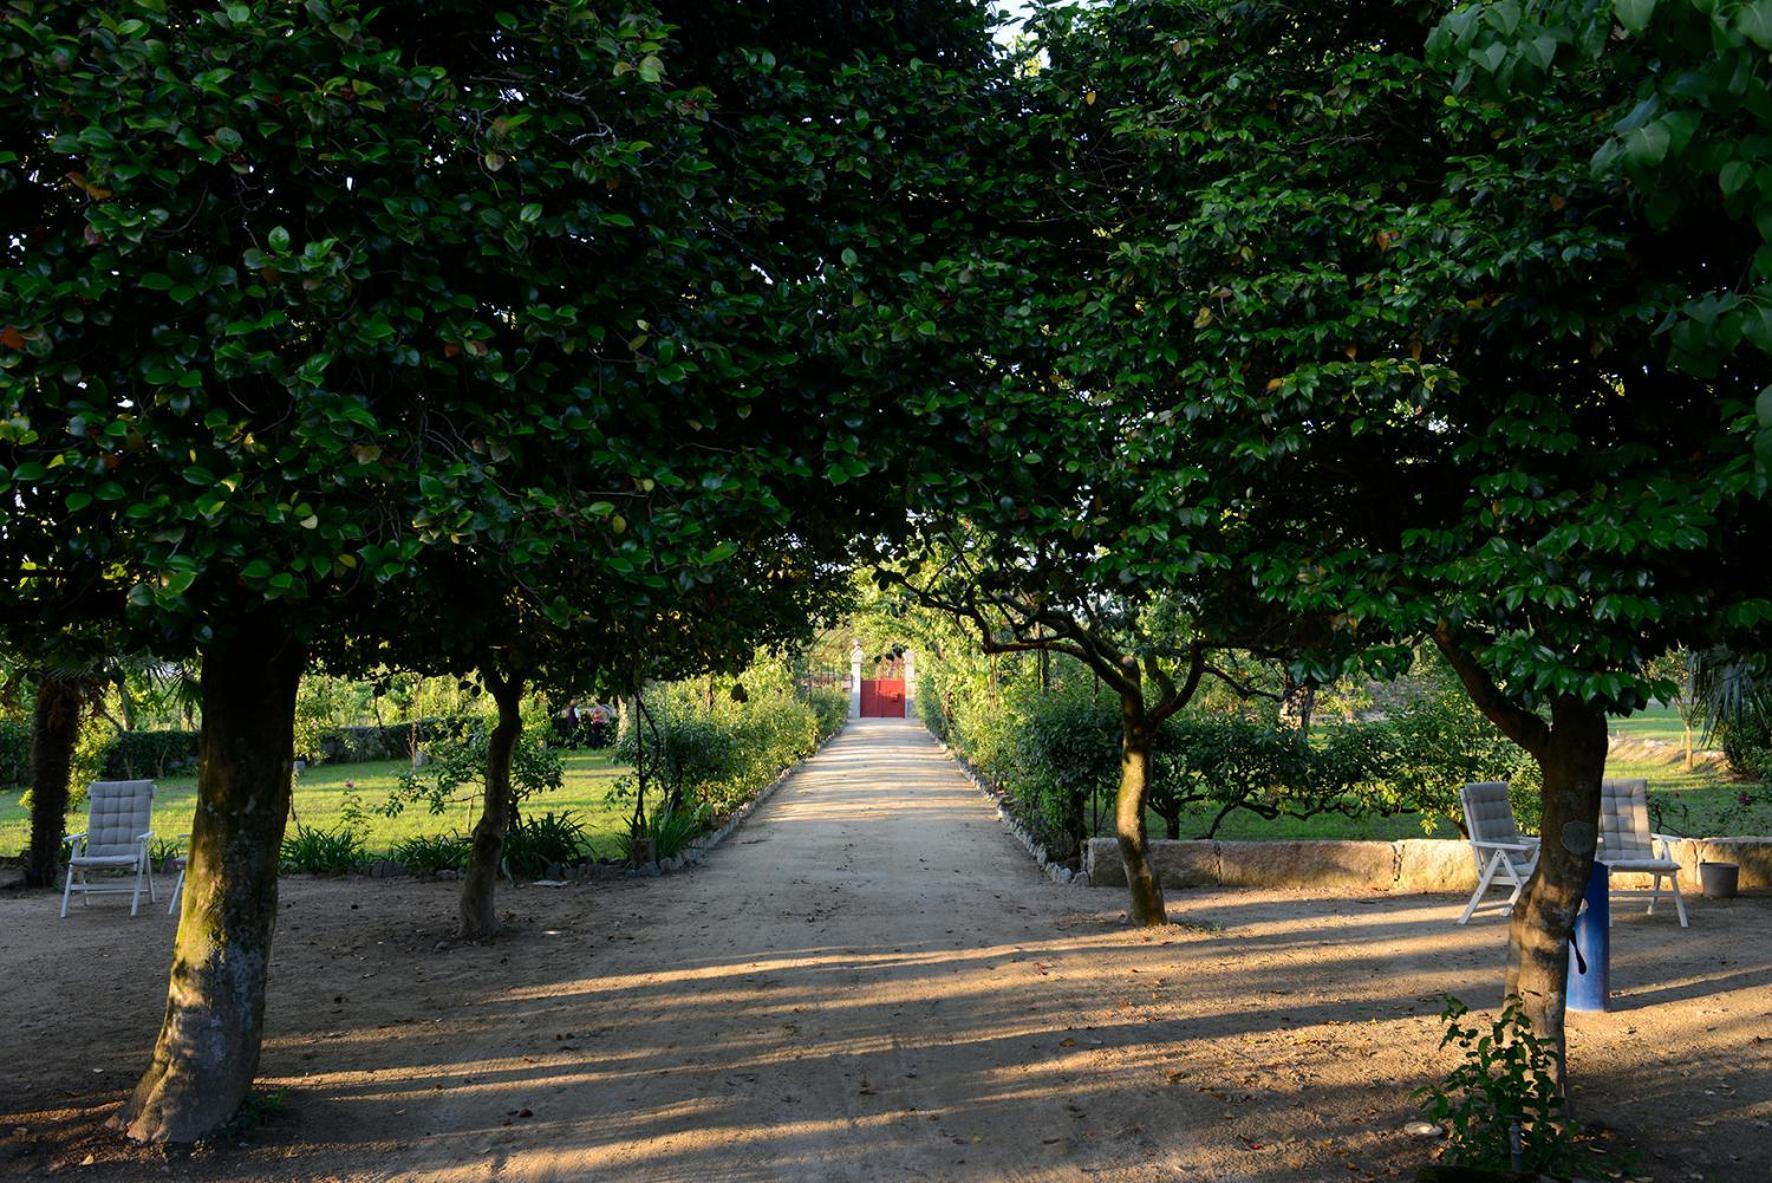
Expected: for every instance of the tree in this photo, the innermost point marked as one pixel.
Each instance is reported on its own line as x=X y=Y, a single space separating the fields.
x=1679 y=668
x=1039 y=579
x=271 y=344
x=60 y=704
x=1410 y=329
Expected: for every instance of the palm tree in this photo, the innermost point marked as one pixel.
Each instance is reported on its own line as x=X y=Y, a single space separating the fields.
x=1730 y=690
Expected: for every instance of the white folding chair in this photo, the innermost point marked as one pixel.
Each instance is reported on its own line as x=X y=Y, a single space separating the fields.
x=1505 y=857
x=1628 y=844
x=116 y=838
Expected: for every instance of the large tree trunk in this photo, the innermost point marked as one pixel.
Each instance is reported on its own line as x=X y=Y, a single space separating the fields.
x=479 y=911
x=1573 y=763
x=55 y=728
x=1146 y=905
x=207 y=1053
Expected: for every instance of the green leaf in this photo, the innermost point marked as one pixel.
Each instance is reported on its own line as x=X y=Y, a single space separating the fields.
x=1647 y=146
x=1755 y=23
x=278 y=239
x=1634 y=14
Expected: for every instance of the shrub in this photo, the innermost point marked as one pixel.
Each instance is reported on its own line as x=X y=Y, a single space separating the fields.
x=430 y=853
x=1065 y=753
x=320 y=851
x=1747 y=743
x=1505 y=1088
x=532 y=844
x=458 y=750
x=1443 y=742
x=149 y=755
x=688 y=755
x=929 y=708
x=668 y=831
x=830 y=709
x=722 y=754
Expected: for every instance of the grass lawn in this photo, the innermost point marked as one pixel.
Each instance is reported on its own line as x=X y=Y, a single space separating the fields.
x=1656 y=723
x=320 y=798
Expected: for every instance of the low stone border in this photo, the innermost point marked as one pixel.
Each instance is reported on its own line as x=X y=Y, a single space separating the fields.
x=1054 y=870
x=1408 y=866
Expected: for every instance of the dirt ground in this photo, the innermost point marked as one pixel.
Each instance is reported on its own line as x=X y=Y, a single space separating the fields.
x=870 y=980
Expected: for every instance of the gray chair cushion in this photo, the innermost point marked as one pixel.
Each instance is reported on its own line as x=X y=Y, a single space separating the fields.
x=1489 y=817
x=118 y=811
x=1624 y=822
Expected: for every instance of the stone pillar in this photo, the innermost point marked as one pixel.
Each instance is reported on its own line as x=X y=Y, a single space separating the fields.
x=910 y=684
x=855 y=680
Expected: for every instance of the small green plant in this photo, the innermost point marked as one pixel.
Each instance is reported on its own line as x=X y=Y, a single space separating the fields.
x=534 y=843
x=430 y=853
x=261 y=1107
x=669 y=831
x=1502 y=1105
x=165 y=850
x=319 y=851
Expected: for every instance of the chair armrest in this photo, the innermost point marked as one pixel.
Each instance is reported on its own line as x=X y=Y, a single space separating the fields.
x=145 y=836
x=1519 y=846
x=1667 y=843
x=74 y=840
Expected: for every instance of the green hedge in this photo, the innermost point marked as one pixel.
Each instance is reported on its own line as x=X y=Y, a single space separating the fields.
x=150 y=755
x=722 y=757
x=15 y=754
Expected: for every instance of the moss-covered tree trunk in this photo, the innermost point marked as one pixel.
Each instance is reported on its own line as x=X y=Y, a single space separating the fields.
x=207 y=1053
x=479 y=886
x=55 y=729
x=1145 y=907
x=1573 y=762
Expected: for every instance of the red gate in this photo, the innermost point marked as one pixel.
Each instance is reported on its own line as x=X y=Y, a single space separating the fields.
x=882 y=698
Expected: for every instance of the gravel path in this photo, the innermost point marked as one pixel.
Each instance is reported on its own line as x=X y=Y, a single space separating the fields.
x=869 y=980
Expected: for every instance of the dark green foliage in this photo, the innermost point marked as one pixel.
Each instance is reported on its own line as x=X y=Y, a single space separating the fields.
x=1507 y=1081
x=315 y=850
x=1064 y=756
x=1746 y=742
x=929 y=709
x=535 y=843
x=15 y=754
x=1442 y=742
x=720 y=756
x=1232 y=764
x=430 y=853
x=458 y=767
x=391 y=741
x=830 y=710
x=150 y=755
x=687 y=755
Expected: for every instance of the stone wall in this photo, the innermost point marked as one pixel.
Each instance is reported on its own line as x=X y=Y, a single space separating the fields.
x=1412 y=865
